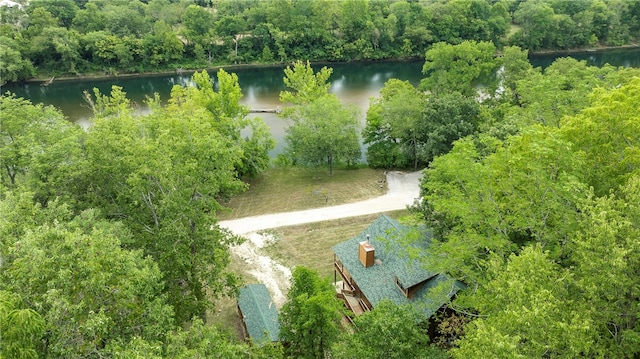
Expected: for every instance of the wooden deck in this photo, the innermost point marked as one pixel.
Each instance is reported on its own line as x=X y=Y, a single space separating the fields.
x=348 y=291
x=354 y=304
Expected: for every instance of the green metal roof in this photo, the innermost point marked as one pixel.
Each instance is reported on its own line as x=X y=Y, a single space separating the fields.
x=259 y=313
x=394 y=258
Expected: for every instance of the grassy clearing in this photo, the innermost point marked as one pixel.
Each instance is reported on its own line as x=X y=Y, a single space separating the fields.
x=310 y=245
x=293 y=189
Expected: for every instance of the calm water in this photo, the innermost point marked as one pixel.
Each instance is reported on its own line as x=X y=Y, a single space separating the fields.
x=354 y=83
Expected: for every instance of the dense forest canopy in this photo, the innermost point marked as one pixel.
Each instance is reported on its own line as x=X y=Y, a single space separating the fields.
x=70 y=37
x=108 y=239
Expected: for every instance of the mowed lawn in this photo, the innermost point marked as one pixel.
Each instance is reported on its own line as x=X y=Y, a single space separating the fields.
x=293 y=189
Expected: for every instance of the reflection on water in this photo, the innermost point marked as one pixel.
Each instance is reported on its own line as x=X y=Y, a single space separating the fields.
x=353 y=83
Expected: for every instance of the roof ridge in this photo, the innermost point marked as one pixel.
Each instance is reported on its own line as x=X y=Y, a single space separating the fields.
x=257 y=302
x=268 y=331
x=397 y=225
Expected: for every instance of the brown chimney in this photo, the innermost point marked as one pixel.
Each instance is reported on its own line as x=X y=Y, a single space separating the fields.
x=366 y=254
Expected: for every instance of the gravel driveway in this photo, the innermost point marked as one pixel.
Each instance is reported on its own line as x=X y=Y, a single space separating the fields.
x=404 y=188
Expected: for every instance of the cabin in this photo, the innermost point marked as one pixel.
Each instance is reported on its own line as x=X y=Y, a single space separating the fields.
x=380 y=264
x=259 y=314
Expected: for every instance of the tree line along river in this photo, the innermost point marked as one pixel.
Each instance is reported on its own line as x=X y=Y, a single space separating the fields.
x=354 y=83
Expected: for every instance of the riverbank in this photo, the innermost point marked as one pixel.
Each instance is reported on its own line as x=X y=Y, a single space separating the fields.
x=46 y=79
x=600 y=48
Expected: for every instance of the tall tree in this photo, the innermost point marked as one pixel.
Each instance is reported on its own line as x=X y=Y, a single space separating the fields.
x=307 y=85
x=322 y=128
x=561 y=90
x=163 y=175
x=15 y=66
x=606 y=262
x=74 y=272
x=458 y=67
x=446 y=119
x=515 y=66
x=229 y=118
x=310 y=319
x=39 y=148
x=524 y=191
x=392 y=126
x=608 y=133
x=324 y=131
x=536 y=20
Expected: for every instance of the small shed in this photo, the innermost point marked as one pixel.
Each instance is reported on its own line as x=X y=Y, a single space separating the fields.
x=259 y=314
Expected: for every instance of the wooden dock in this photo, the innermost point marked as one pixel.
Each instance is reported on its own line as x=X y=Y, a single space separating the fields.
x=265 y=110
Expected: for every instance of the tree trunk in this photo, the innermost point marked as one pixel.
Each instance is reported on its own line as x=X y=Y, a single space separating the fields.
x=415 y=154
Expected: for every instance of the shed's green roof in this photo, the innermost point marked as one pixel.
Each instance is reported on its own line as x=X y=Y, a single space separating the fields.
x=259 y=313
x=392 y=260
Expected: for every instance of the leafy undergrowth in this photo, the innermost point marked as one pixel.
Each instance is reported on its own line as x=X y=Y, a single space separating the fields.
x=293 y=189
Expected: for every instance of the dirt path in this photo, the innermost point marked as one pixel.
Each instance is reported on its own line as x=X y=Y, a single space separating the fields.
x=404 y=188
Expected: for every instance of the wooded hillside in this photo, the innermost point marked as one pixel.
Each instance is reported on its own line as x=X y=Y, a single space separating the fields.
x=70 y=37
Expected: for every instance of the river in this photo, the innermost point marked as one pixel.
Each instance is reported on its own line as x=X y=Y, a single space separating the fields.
x=354 y=83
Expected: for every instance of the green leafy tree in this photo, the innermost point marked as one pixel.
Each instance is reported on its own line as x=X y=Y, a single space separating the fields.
x=163 y=174
x=89 y=19
x=392 y=126
x=306 y=84
x=547 y=240
x=524 y=191
x=383 y=150
x=40 y=149
x=606 y=267
x=210 y=341
x=14 y=66
x=324 y=131
x=310 y=319
x=20 y=328
x=406 y=128
x=388 y=331
x=410 y=30
x=56 y=48
x=322 y=128
x=515 y=66
x=536 y=19
x=229 y=118
x=164 y=10
x=63 y=10
x=527 y=312
x=125 y=20
x=562 y=90
x=198 y=24
x=74 y=272
x=457 y=68
x=446 y=119
x=608 y=133
x=162 y=45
